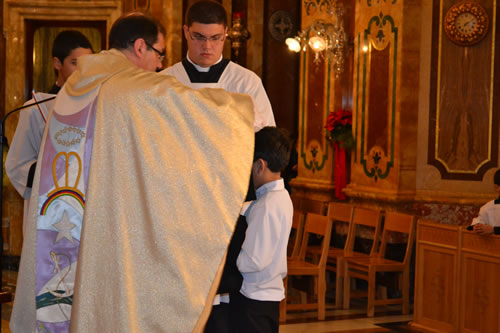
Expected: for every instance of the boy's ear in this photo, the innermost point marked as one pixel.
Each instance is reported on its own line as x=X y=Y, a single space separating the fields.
x=262 y=164
x=258 y=165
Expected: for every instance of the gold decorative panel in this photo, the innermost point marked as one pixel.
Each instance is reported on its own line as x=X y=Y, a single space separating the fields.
x=313 y=146
x=377 y=61
x=463 y=127
x=315 y=167
x=378 y=110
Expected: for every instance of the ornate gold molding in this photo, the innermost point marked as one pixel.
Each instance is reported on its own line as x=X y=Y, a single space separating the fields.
x=422 y=196
x=311 y=188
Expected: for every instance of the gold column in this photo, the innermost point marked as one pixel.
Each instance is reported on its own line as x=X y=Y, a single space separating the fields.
x=316 y=99
x=385 y=106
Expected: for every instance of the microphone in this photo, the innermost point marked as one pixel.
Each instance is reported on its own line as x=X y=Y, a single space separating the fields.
x=23 y=107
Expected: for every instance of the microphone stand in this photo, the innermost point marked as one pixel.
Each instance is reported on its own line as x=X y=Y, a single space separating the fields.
x=6 y=297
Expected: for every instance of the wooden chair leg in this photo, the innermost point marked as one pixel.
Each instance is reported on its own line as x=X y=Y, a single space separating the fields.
x=406 y=291
x=283 y=311
x=283 y=303
x=347 y=288
x=372 y=287
x=321 y=295
x=339 y=283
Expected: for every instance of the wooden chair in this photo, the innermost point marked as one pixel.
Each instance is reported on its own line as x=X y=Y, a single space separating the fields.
x=367 y=218
x=316 y=207
x=363 y=218
x=318 y=225
x=296 y=234
x=340 y=213
x=366 y=268
x=301 y=207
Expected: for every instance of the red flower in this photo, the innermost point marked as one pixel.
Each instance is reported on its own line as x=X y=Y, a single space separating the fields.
x=340 y=117
x=339 y=126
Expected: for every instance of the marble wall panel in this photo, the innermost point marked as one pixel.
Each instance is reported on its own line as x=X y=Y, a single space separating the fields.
x=379 y=55
x=430 y=183
x=463 y=136
x=445 y=213
x=320 y=92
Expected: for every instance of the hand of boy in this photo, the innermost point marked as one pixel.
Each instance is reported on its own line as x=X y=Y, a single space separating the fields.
x=483 y=229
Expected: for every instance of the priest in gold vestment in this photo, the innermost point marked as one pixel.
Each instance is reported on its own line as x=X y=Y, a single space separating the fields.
x=139 y=185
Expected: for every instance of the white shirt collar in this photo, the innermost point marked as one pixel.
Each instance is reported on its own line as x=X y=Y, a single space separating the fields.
x=275 y=185
x=199 y=68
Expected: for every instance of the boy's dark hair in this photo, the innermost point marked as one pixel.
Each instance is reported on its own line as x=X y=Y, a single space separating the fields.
x=206 y=12
x=272 y=144
x=68 y=40
x=496 y=178
x=130 y=27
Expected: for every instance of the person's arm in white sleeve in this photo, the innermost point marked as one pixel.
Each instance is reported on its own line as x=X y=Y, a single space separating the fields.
x=262 y=106
x=482 y=217
x=24 y=149
x=257 y=251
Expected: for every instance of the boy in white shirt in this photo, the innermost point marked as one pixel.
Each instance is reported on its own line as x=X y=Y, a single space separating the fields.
x=262 y=260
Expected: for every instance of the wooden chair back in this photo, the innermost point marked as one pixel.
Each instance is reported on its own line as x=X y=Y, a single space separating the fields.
x=401 y=223
x=298 y=230
x=319 y=225
x=341 y=212
x=367 y=217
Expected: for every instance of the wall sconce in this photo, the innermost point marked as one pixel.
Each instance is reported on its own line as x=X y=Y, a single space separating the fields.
x=326 y=39
x=238 y=34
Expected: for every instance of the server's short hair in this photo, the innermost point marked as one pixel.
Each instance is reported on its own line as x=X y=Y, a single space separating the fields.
x=68 y=40
x=206 y=12
x=273 y=145
x=132 y=26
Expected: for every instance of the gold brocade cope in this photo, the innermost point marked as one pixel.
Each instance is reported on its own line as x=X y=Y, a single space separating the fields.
x=169 y=171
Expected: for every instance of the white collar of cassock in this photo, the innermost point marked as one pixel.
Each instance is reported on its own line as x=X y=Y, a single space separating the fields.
x=199 y=68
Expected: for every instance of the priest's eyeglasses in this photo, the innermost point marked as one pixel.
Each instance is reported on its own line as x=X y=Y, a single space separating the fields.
x=200 y=38
x=161 y=55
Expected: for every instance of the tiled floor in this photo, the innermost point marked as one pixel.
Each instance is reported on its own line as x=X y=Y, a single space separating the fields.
x=386 y=319
x=383 y=323
x=346 y=321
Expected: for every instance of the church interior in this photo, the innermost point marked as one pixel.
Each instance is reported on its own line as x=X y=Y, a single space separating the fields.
x=418 y=82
